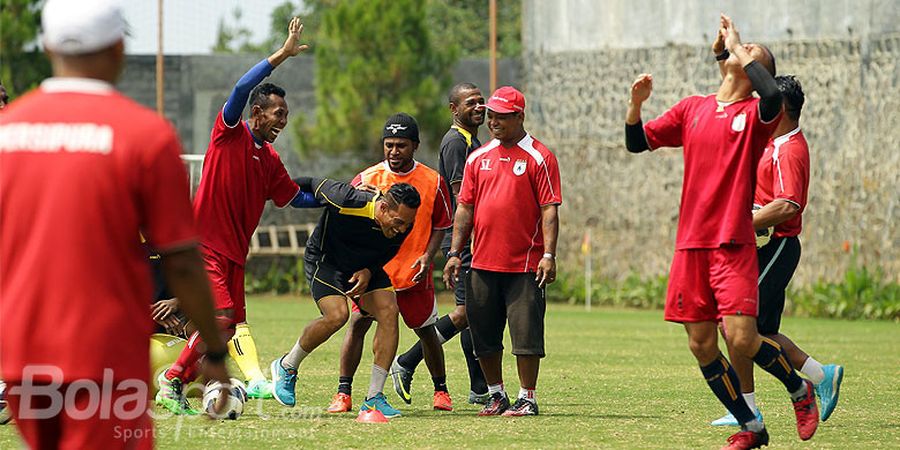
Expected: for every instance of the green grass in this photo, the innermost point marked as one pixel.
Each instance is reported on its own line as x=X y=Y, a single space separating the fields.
x=612 y=379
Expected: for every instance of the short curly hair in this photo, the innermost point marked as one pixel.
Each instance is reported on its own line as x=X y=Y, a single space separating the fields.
x=792 y=92
x=404 y=194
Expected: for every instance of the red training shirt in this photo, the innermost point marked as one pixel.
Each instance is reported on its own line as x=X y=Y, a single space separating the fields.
x=238 y=178
x=783 y=173
x=83 y=170
x=508 y=187
x=722 y=145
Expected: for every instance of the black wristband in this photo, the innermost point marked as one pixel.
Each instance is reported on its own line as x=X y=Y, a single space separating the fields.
x=723 y=56
x=216 y=357
x=452 y=255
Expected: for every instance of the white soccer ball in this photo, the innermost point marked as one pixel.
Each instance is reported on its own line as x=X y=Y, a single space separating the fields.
x=237 y=396
x=5 y=415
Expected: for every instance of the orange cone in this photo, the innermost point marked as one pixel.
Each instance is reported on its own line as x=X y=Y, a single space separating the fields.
x=371 y=416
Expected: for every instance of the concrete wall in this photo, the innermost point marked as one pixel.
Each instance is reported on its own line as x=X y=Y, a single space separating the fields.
x=581 y=25
x=577 y=87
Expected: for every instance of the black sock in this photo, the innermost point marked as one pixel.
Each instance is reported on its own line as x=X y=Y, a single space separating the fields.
x=445 y=328
x=440 y=383
x=411 y=359
x=345 y=385
x=773 y=360
x=723 y=381
x=476 y=377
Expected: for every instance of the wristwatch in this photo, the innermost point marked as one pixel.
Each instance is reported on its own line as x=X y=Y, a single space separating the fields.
x=453 y=254
x=723 y=56
x=549 y=255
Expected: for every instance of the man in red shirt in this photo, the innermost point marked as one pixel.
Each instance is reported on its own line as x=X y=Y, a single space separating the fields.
x=409 y=271
x=713 y=274
x=782 y=184
x=241 y=171
x=512 y=260
x=75 y=275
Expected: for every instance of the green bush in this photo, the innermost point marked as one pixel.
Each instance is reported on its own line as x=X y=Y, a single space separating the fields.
x=863 y=293
x=275 y=275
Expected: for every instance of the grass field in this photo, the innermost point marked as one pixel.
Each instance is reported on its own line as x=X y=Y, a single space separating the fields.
x=612 y=379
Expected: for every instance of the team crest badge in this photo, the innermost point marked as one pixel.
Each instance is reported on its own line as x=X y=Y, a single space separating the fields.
x=739 y=122
x=519 y=167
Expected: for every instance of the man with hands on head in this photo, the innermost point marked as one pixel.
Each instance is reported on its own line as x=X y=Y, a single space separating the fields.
x=714 y=270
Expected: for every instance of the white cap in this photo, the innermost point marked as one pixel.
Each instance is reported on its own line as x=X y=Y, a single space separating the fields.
x=83 y=26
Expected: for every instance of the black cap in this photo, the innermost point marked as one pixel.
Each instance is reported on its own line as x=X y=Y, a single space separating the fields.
x=401 y=125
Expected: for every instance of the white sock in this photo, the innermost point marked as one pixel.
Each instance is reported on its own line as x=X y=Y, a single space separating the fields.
x=496 y=388
x=527 y=394
x=293 y=358
x=376 y=383
x=750 y=398
x=813 y=370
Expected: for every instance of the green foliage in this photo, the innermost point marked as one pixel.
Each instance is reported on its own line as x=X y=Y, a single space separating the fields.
x=22 y=66
x=863 y=293
x=235 y=38
x=275 y=275
x=374 y=58
x=633 y=291
x=465 y=25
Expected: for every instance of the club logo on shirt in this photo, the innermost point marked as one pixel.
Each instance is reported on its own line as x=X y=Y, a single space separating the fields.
x=519 y=167
x=394 y=128
x=485 y=164
x=739 y=122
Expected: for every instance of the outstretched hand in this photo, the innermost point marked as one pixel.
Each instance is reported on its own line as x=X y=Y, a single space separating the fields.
x=292 y=46
x=641 y=88
x=727 y=28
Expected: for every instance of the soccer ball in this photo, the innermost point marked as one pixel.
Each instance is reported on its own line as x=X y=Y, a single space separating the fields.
x=237 y=396
x=762 y=236
x=5 y=415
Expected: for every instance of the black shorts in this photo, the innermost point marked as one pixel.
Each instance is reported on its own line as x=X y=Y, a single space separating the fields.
x=777 y=261
x=325 y=280
x=459 y=292
x=493 y=298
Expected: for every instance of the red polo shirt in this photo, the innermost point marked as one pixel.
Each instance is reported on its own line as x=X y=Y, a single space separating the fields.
x=508 y=187
x=783 y=173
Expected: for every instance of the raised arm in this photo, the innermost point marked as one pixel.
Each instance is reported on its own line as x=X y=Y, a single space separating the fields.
x=763 y=82
x=241 y=92
x=635 y=139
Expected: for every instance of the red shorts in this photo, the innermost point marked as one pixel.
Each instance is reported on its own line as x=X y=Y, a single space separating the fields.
x=106 y=430
x=706 y=284
x=227 y=281
x=418 y=305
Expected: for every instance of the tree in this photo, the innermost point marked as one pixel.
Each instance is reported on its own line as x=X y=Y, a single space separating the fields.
x=375 y=58
x=465 y=23
x=236 y=38
x=22 y=65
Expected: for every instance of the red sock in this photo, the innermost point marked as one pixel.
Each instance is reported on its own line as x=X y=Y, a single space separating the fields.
x=185 y=367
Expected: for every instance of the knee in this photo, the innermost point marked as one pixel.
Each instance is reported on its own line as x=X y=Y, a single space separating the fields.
x=458 y=317
x=704 y=349
x=359 y=323
x=387 y=313
x=334 y=320
x=743 y=342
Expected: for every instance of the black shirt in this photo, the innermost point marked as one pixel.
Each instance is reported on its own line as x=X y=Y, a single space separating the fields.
x=347 y=236
x=456 y=146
